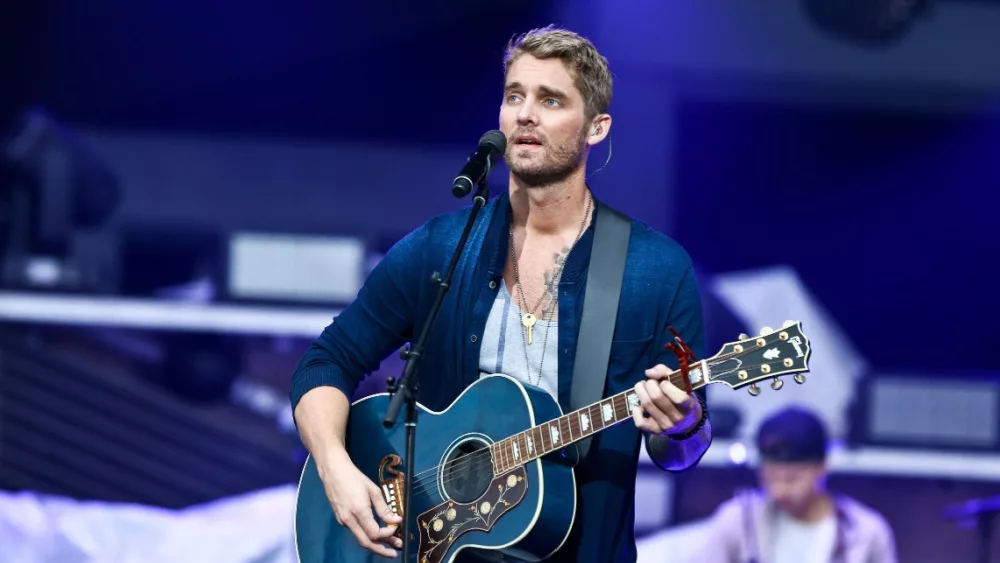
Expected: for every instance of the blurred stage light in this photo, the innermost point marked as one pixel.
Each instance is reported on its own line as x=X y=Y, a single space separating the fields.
x=869 y=22
x=738 y=453
x=51 y=188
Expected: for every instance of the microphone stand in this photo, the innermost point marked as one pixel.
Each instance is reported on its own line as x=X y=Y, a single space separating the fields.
x=406 y=389
x=982 y=511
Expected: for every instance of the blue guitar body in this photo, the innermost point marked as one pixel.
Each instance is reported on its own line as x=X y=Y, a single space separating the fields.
x=490 y=471
x=526 y=512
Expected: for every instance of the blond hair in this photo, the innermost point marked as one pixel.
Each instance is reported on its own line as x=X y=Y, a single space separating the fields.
x=586 y=65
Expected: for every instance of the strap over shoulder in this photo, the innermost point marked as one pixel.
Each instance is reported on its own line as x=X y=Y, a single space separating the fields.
x=600 y=310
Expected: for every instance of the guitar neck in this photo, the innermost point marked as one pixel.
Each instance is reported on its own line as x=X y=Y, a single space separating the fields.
x=577 y=425
x=738 y=364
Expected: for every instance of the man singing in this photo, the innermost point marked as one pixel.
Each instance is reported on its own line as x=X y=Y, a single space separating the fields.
x=514 y=307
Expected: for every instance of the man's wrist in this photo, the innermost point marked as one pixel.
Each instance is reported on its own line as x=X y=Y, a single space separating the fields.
x=691 y=432
x=334 y=454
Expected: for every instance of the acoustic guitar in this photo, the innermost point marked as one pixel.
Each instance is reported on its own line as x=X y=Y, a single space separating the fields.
x=499 y=480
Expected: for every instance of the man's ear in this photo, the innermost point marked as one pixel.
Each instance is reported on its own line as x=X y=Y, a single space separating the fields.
x=599 y=129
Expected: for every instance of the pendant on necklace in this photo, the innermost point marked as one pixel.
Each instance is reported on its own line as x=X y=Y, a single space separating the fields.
x=528 y=320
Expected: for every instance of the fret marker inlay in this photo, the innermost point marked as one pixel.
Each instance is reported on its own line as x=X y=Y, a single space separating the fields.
x=633 y=401
x=694 y=375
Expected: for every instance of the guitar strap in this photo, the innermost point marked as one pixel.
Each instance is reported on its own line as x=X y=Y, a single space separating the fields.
x=600 y=309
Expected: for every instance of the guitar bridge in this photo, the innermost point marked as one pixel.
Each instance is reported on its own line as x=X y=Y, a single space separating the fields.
x=390 y=480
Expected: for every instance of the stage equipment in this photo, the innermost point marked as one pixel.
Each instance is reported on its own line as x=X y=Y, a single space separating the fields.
x=868 y=22
x=980 y=513
x=54 y=191
x=897 y=409
x=404 y=390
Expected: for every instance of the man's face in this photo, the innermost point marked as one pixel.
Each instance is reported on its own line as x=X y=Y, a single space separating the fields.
x=792 y=485
x=544 y=120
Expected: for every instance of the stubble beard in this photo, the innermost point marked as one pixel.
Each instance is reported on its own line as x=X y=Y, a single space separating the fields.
x=552 y=166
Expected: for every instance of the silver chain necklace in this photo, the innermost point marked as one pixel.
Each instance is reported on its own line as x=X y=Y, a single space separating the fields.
x=528 y=318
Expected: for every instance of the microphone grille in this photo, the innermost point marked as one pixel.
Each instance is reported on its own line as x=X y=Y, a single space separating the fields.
x=495 y=139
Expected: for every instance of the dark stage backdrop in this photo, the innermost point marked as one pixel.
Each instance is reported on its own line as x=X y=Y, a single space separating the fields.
x=890 y=217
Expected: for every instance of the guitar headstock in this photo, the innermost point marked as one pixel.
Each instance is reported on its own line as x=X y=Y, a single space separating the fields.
x=769 y=356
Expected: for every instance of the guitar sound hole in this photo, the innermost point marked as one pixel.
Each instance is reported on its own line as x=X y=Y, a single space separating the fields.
x=468 y=471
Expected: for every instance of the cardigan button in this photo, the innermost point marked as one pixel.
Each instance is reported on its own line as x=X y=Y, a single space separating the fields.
x=493 y=284
x=473 y=338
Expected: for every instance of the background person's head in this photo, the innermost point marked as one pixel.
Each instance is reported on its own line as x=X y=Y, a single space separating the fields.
x=792 y=444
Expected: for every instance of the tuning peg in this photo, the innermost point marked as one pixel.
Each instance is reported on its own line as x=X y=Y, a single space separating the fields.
x=754 y=390
x=744 y=336
x=799 y=378
x=764 y=331
x=787 y=324
x=777 y=384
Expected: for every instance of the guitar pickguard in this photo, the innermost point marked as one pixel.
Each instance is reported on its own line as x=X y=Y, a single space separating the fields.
x=440 y=526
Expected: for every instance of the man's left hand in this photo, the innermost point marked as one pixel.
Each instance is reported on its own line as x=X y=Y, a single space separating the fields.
x=671 y=410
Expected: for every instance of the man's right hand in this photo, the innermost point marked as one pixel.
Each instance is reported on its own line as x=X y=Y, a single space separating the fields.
x=352 y=496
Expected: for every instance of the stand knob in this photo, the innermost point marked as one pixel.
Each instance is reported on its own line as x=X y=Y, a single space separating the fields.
x=777 y=384
x=754 y=390
x=799 y=378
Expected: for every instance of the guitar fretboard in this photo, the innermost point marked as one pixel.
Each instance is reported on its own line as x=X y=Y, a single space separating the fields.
x=559 y=432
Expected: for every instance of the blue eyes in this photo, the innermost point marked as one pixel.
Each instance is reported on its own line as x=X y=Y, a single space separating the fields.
x=551 y=102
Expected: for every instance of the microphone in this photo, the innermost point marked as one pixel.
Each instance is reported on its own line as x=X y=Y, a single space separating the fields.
x=491 y=145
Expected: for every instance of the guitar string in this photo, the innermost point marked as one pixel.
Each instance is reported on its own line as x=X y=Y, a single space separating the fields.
x=573 y=425
x=474 y=466
x=480 y=457
x=484 y=458
x=474 y=463
x=478 y=460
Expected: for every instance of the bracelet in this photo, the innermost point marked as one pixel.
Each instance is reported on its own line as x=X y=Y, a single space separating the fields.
x=697 y=427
